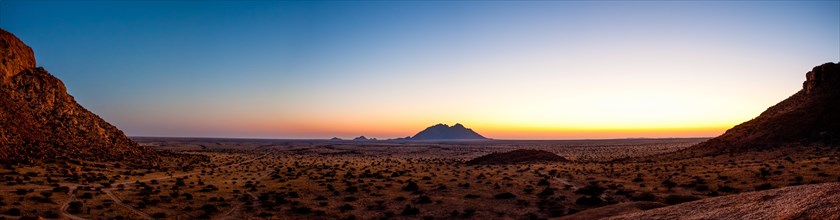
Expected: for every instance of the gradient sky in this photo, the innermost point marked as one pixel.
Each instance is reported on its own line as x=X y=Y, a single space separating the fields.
x=509 y=70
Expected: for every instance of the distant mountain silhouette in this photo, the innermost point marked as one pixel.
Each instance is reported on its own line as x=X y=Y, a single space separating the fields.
x=811 y=116
x=39 y=120
x=445 y=132
x=361 y=138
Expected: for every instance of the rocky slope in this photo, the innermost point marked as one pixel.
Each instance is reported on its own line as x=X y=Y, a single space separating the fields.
x=809 y=117
x=613 y=210
x=445 y=132
x=818 y=201
x=39 y=120
x=516 y=156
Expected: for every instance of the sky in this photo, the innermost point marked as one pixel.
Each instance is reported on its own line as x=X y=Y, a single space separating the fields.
x=509 y=70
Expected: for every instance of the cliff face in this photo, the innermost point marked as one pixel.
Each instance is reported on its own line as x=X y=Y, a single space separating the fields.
x=39 y=120
x=15 y=56
x=811 y=116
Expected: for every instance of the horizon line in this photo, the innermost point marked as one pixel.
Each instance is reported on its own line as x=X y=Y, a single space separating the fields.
x=440 y=140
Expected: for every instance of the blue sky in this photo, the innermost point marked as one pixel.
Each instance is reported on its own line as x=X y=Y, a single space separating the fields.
x=526 y=70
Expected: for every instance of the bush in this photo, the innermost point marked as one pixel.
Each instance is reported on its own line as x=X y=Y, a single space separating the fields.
x=409 y=210
x=546 y=192
x=411 y=186
x=302 y=210
x=13 y=212
x=506 y=195
x=727 y=189
x=345 y=207
x=764 y=186
x=424 y=200
x=645 y=196
x=669 y=184
x=591 y=190
x=86 y=195
x=589 y=201
x=51 y=214
x=677 y=199
x=74 y=207
x=159 y=215
x=21 y=192
x=209 y=208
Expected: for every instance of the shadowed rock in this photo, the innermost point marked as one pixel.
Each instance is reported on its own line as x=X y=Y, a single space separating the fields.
x=39 y=120
x=445 y=132
x=517 y=156
x=810 y=116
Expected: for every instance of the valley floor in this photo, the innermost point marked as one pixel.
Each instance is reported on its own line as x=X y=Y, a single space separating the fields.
x=287 y=179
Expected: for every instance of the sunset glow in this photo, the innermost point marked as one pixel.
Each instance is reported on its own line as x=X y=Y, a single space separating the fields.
x=508 y=70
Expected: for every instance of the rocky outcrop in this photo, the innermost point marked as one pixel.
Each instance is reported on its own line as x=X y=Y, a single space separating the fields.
x=15 y=56
x=824 y=77
x=517 y=156
x=39 y=120
x=445 y=132
x=809 y=117
x=818 y=201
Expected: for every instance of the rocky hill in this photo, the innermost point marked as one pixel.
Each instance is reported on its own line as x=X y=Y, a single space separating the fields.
x=817 y=201
x=39 y=120
x=516 y=156
x=809 y=117
x=445 y=132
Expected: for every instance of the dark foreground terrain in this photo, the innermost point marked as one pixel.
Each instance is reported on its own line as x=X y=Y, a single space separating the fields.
x=371 y=180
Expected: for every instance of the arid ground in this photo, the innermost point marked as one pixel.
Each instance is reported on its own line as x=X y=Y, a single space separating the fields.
x=304 y=179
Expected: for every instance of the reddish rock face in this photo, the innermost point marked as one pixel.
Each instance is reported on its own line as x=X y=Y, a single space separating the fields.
x=14 y=55
x=39 y=120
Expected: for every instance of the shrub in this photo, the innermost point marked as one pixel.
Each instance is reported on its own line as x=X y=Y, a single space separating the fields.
x=159 y=215
x=21 y=192
x=669 y=184
x=411 y=186
x=74 y=207
x=589 y=201
x=506 y=195
x=727 y=189
x=409 y=210
x=674 y=199
x=764 y=186
x=51 y=214
x=546 y=192
x=13 y=212
x=302 y=210
x=645 y=196
x=345 y=207
x=209 y=208
x=591 y=190
x=424 y=200
x=86 y=195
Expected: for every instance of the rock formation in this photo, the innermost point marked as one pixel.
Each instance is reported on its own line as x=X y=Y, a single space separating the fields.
x=39 y=120
x=809 y=117
x=816 y=201
x=445 y=132
x=517 y=156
